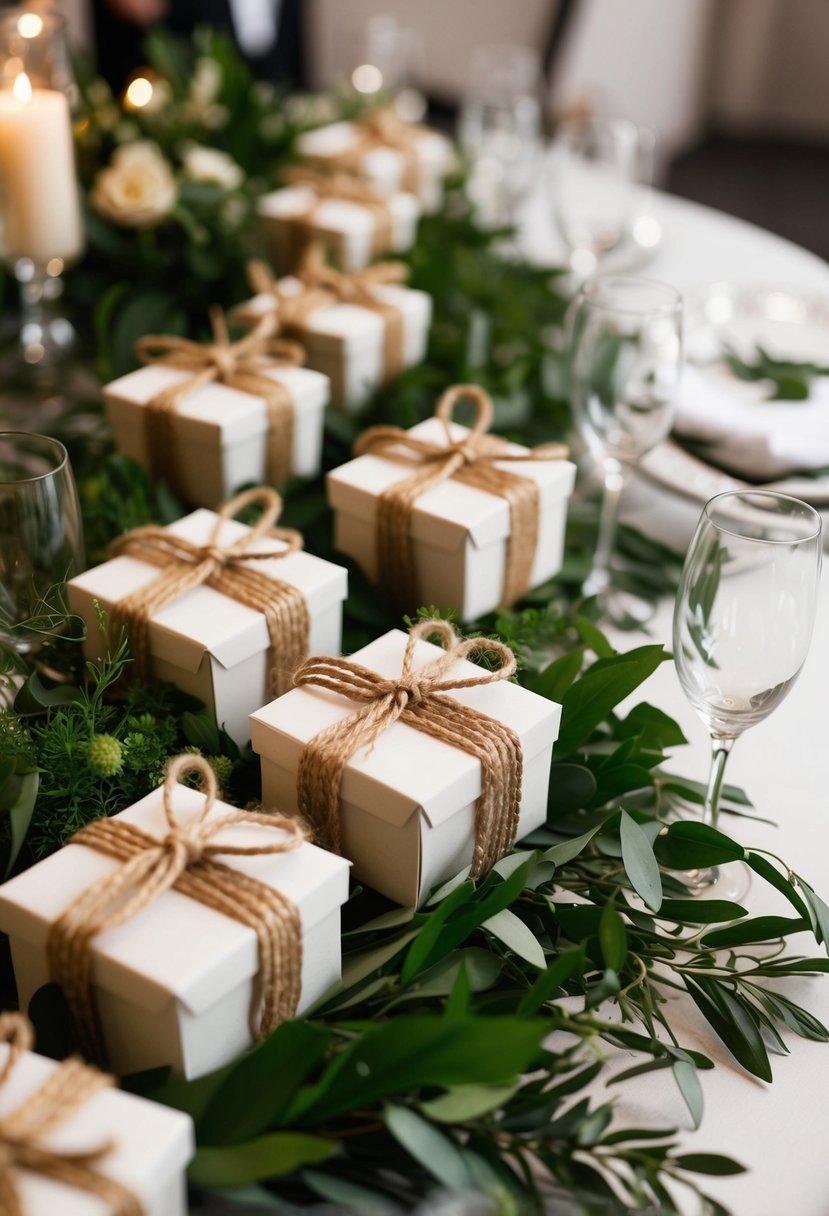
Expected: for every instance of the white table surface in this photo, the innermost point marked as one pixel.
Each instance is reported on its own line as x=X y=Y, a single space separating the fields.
x=778 y=1131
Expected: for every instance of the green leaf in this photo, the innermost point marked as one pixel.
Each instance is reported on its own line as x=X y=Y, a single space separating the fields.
x=353 y=1198
x=639 y=862
x=34 y=696
x=20 y=816
x=593 y=637
x=560 y=854
x=694 y=846
x=360 y=966
x=568 y=965
x=765 y=869
x=465 y=1102
x=708 y=1163
x=428 y=935
x=658 y=725
x=820 y=911
x=271 y=1156
x=435 y=1151
x=734 y=1025
x=572 y=786
x=685 y=1075
x=701 y=912
x=754 y=929
x=612 y=937
x=512 y=931
x=554 y=681
x=589 y=701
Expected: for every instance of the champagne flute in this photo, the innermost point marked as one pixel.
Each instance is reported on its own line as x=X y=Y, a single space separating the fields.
x=41 y=535
x=593 y=171
x=625 y=337
x=743 y=622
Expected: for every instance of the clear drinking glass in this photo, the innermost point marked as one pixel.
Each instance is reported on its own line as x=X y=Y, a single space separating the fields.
x=41 y=535
x=625 y=338
x=743 y=622
x=593 y=172
x=42 y=232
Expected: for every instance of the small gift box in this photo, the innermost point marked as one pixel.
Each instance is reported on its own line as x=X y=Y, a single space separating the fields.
x=360 y=329
x=165 y=955
x=385 y=152
x=457 y=518
x=210 y=418
x=219 y=620
x=104 y=1150
x=450 y=769
x=353 y=223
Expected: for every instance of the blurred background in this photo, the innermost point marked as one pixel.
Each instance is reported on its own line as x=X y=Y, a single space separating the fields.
x=735 y=92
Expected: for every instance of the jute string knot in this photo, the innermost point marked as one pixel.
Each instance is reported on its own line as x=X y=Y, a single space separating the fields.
x=324 y=286
x=22 y=1130
x=331 y=186
x=185 y=859
x=417 y=698
x=241 y=365
x=382 y=128
x=226 y=567
x=475 y=459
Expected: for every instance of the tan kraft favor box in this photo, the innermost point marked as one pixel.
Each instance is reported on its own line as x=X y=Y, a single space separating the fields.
x=408 y=802
x=205 y=643
x=220 y=431
x=174 y=985
x=459 y=532
x=151 y=1146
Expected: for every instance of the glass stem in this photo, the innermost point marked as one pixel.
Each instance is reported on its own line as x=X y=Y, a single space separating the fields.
x=720 y=751
x=45 y=336
x=614 y=483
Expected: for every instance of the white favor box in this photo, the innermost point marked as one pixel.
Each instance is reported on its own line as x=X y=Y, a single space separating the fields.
x=459 y=532
x=151 y=1146
x=174 y=984
x=408 y=801
x=221 y=432
x=345 y=228
x=204 y=642
x=345 y=341
x=382 y=168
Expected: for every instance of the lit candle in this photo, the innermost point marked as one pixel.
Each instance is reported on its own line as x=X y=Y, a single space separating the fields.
x=40 y=207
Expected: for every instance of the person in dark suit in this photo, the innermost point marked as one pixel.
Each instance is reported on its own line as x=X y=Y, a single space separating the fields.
x=268 y=33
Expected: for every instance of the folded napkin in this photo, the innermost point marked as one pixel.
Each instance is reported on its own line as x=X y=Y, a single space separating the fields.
x=748 y=434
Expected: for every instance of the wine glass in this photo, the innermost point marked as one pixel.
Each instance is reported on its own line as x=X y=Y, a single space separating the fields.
x=743 y=622
x=41 y=535
x=42 y=231
x=593 y=170
x=625 y=338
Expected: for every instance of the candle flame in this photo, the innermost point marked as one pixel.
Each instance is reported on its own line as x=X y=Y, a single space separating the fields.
x=22 y=88
x=139 y=92
x=29 y=25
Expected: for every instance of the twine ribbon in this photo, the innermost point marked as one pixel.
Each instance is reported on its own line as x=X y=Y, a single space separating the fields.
x=22 y=1130
x=225 y=568
x=324 y=286
x=471 y=460
x=380 y=129
x=240 y=365
x=339 y=187
x=416 y=698
x=185 y=859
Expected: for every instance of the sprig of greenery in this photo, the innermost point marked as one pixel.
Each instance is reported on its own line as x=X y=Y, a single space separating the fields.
x=790 y=380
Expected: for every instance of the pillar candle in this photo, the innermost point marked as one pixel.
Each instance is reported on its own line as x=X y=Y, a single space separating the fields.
x=39 y=191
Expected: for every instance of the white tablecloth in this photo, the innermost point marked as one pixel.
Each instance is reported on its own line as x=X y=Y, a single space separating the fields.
x=778 y=1131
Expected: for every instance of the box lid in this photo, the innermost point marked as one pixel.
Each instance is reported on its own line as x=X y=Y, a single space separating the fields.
x=150 y=1142
x=176 y=946
x=406 y=770
x=448 y=514
x=215 y=415
x=203 y=621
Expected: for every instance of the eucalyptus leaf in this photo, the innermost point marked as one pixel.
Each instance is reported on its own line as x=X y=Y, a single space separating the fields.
x=465 y=1102
x=639 y=862
x=270 y=1156
x=512 y=931
x=687 y=1080
x=612 y=937
x=434 y=1150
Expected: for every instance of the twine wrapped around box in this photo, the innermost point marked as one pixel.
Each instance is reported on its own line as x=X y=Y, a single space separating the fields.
x=21 y=1131
x=224 y=567
x=236 y=365
x=340 y=187
x=325 y=286
x=183 y=860
x=380 y=129
x=416 y=699
x=472 y=460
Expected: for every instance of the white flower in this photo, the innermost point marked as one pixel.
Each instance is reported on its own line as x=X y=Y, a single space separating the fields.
x=137 y=188
x=211 y=165
x=205 y=83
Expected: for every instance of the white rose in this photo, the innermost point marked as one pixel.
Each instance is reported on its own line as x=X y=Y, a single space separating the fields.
x=211 y=165
x=137 y=188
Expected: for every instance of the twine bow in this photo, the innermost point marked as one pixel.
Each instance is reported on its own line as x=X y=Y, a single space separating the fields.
x=22 y=1130
x=417 y=699
x=474 y=460
x=185 y=859
x=341 y=187
x=240 y=365
x=382 y=128
x=225 y=567
x=324 y=286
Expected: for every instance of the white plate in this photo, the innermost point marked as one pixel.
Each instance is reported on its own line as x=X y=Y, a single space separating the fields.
x=787 y=323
